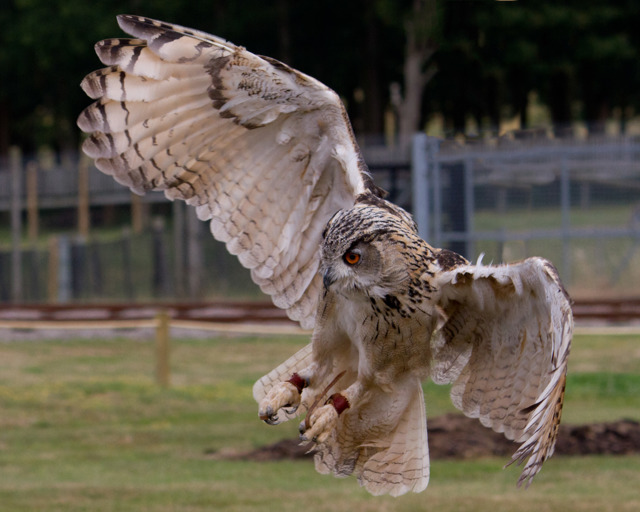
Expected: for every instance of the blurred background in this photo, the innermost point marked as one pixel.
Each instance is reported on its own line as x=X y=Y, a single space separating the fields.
x=508 y=128
x=529 y=115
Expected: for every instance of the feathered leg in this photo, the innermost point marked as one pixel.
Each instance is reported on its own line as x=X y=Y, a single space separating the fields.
x=381 y=438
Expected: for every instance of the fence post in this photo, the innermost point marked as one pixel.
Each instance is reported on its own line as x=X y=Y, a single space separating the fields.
x=127 y=272
x=65 y=261
x=16 y=223
x=32 y=201
x=59 y=269
x=159 y=283
x=163 y=376
x=5 y=279
x=53 y=268
x=84 y=215
x=95 y=268
x=469 y=209
x=32 y=286
x=195 y=258
x=565 y=204
x=460 y=206
x=178 y=248
x=78 y=268
x=420 y=183
x=436 y=187
x=139 y=211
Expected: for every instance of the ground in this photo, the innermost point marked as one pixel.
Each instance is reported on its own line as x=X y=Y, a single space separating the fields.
x=453 y=436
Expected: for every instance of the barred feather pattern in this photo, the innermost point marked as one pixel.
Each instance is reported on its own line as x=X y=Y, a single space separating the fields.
x=385 y=461
x=267 y=156
x=210 y=123
x=505 y=346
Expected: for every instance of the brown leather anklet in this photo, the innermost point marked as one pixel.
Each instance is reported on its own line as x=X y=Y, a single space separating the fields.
x=298 y=382
x=339 y=401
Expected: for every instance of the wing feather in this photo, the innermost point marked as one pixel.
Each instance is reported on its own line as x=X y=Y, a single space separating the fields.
x=504 y=345
x=265 y=153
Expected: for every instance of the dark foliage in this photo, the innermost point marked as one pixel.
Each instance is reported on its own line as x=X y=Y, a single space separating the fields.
x=580 y=57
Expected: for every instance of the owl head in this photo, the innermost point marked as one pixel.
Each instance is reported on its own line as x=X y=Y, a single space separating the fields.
x=362 y=253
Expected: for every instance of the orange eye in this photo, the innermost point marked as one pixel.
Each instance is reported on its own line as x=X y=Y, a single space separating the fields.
x=351 y=258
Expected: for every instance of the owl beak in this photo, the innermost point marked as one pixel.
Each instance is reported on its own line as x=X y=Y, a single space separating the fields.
x=327 y=278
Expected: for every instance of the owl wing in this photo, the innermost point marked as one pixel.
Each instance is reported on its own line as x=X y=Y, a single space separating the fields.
x=261 y=150
x=504 y=344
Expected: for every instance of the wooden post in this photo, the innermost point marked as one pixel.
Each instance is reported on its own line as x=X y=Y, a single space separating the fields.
x=178 y=248
x=159 y=283
x=84 y=217
x=16 y=223
x=32 y=202
x=78 y=278
x=139 y=211
x=195 y=258
x=95 y=268
x=163 y=377
x=54 y=267
x=65 y=269
x=127 y=269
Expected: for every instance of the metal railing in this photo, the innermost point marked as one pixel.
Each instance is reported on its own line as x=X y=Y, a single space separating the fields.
x=578 y=194
x=575 y=202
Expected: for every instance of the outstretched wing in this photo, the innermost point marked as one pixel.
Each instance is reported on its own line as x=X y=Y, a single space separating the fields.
x=263 y=151
x=504 y=344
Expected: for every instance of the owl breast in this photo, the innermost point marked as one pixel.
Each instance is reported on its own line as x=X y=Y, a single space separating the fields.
x=385 y=336
x=381 y=304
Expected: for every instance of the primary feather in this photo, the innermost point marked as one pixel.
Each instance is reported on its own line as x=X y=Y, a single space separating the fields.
x=266 y=154
x=213 y=124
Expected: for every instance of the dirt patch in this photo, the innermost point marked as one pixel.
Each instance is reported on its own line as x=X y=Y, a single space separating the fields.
x=454 y=436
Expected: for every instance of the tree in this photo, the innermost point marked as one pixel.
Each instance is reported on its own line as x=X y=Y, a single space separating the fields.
x=578 y=55
x=46 y=48
x=422 y=23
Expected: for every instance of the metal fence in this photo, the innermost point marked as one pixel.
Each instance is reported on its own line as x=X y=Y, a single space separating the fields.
x=575 y=202
x=124 y=267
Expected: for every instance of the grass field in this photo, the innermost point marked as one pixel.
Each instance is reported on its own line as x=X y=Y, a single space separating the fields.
x=83 y=427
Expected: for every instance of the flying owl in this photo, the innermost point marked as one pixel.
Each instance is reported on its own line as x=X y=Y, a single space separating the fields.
x=268 y=156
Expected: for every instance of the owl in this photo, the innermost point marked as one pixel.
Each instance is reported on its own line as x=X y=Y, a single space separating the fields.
x=267 y=155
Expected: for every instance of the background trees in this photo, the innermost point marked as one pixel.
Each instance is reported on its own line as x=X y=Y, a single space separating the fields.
x=461 y=60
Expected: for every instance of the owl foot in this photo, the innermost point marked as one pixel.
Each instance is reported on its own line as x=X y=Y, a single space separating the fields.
x=284 y=394
x=319 y=424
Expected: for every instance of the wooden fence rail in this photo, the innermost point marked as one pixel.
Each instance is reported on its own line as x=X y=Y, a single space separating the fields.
x=161 y=323
x=250 y=318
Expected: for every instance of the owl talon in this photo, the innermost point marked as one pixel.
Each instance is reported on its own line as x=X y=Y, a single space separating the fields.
x=321 y=425
x=271 y=418
x=283 y=395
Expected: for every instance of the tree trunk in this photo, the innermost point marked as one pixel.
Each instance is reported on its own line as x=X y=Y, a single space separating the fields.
x=420 y=47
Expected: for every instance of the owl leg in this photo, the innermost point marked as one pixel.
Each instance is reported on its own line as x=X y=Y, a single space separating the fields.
x=283 y=394
x=321 y=423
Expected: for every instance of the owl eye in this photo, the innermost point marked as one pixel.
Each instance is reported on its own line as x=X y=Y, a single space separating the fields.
x=351 y=257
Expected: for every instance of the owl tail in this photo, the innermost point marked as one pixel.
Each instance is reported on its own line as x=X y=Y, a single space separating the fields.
x=389 y=455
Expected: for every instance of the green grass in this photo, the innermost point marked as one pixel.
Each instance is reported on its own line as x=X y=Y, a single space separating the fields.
x=524 y=219
x=83 y=427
